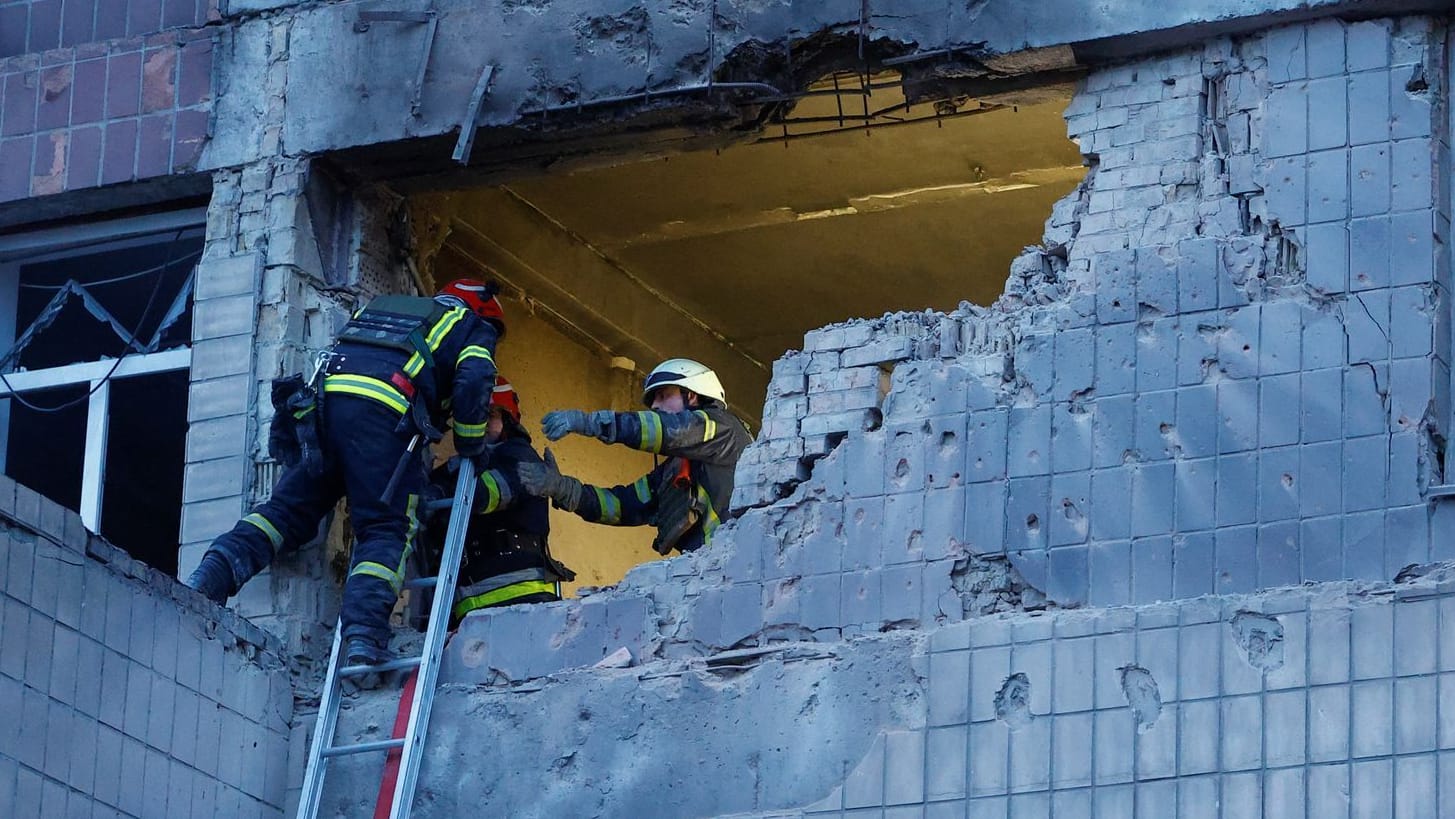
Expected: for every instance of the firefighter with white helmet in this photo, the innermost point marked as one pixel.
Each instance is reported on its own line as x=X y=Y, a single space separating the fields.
x=687 y=494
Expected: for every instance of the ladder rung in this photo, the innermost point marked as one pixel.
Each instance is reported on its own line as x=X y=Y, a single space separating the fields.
x=363 y=747
x=392 y=665
x=422 y=583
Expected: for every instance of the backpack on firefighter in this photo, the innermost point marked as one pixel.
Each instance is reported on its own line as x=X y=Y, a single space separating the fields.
x=392 y=322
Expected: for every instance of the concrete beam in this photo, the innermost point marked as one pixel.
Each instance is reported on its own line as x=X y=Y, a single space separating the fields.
x=592 y=297
x=347 y=87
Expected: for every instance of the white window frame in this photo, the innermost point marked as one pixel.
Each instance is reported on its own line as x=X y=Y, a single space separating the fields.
x=58 y=242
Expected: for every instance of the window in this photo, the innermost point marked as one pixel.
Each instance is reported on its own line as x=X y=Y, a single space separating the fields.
x=95 y=320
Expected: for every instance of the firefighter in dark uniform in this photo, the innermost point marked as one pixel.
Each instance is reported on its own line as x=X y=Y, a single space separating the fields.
x=397 y=369
x=687 y=494
x=507 y=559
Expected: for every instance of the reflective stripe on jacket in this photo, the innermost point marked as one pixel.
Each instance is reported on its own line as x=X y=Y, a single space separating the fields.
x=459 y=382
x=711 y=439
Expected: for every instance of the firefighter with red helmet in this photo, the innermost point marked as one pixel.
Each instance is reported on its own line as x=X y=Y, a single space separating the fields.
x=507 y=559
x=686 y=496
x=399 y=368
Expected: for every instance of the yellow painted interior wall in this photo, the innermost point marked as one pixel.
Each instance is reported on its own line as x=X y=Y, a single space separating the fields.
x=552 y=371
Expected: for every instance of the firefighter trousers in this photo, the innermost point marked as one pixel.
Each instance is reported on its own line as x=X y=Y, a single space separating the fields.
x=361 y=446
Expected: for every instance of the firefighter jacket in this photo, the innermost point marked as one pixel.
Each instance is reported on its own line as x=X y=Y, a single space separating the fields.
x=702 y=447
x=415 y=355
x=507 y=557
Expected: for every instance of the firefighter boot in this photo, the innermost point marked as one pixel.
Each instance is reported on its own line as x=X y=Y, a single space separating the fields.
x=213 y=577
x=363 y=651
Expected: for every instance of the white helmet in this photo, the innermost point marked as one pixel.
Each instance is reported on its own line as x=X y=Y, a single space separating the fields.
x=687 y=374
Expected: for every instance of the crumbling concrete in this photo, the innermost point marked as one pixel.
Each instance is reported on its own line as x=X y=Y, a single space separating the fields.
x=1159 y=705
x=592 y=742
x=1188 y=351
x=559 y=64
x=1192 y=398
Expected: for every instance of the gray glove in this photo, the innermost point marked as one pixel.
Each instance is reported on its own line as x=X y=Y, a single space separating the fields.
x=544 y=480
x=560 y=423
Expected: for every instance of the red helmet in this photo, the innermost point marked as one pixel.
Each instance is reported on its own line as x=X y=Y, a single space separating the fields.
x=479 y=297
x=505 y=397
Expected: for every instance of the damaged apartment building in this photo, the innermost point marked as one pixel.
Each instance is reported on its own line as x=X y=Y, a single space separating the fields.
x=1098 y=362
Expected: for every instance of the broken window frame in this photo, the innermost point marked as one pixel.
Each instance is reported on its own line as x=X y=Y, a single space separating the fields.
x=96 y=375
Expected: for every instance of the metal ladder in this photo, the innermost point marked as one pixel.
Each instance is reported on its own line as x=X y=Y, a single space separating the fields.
x=428 y=663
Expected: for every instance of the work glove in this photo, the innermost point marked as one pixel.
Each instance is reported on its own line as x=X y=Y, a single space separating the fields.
x=544 y=480
x=282 y=435
x=560 y=423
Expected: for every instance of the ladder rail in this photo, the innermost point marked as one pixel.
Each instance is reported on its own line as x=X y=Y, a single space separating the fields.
x=439 y=618
x=312 y=794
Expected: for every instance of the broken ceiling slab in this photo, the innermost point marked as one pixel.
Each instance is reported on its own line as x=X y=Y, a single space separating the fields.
x=570 y=52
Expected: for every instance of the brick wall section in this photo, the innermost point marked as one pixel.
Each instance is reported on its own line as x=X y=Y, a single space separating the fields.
x=222 y=400
x=100 y=114
x=127 y=694
x=1224 y=371
x=35 y=26
x=99 y=92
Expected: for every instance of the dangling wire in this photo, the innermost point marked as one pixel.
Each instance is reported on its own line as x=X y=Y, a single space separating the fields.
x=156 y=287
x=161 y=268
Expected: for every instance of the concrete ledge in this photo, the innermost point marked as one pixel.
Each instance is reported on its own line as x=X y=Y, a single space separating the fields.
x=523 y=642
x=28 y=511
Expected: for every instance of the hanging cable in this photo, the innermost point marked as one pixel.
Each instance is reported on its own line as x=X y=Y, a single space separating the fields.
x=156 y=287
x=161 y=268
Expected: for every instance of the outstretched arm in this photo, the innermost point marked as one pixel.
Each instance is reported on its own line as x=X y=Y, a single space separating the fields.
x=626 y=505
x=706 y=435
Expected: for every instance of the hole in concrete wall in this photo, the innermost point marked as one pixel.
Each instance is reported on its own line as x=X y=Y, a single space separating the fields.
x=731 y=254
x=735 y=253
